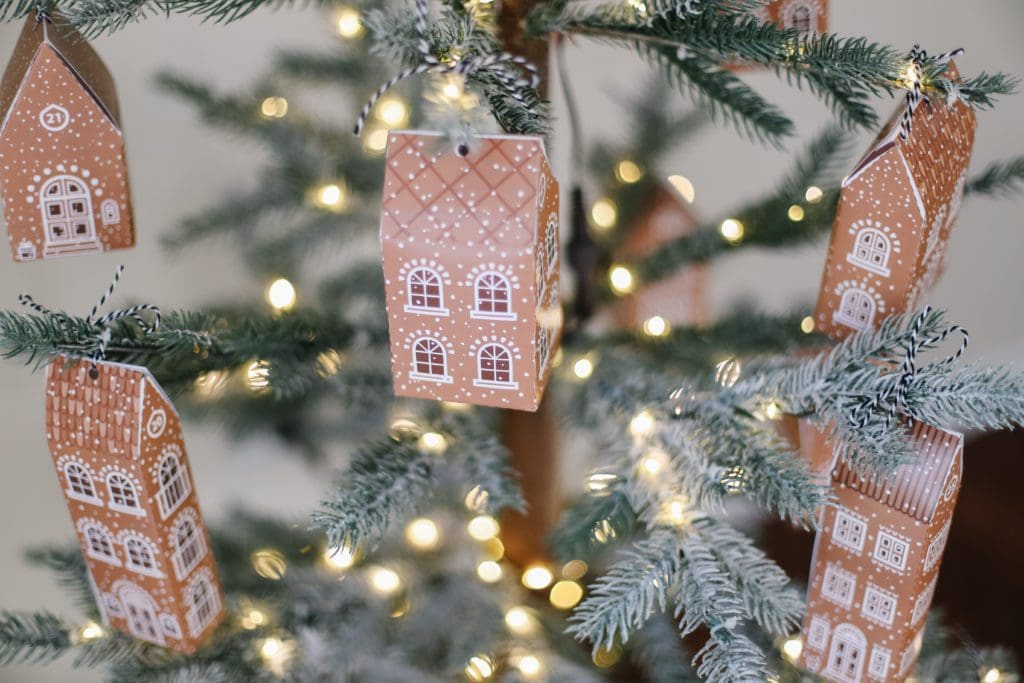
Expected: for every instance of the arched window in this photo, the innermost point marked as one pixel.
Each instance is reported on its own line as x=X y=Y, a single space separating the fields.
x=67 y=212
x=174 y=484
x=871 y=250
x=139 y=554
x=79 y=483
x=203 y=604
x=493 y=297
x=551 y=242
x=111 y=212
x=99 y=544
x=494 y=367
x=142 y=619
x=426 y=292
x=801 y=16
x=430 y=361
x=122 y=494
x=188 y=543
x=846 y=656
x=856 y=309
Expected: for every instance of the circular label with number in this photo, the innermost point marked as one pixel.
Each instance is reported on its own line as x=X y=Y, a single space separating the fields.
x=54 y=118
x=157 y=423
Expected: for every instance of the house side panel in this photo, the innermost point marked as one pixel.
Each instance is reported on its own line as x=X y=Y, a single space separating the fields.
x=546 y=292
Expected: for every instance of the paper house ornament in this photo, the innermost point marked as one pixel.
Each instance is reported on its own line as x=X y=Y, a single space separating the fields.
x=470 y=249
x=679 y=299
x=63 y=177
x=896 y=211
x=117 y=444
x=876 y=561
x=806 y=16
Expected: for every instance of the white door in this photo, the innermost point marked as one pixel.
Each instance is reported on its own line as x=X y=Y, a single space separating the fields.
x=141 y=615
x=846 y=656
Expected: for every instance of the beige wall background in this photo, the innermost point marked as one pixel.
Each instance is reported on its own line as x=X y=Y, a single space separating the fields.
x=179 y=166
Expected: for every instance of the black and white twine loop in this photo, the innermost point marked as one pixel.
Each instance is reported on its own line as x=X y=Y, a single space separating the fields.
x=893 y=399
x=915 y=73
x=103 y=323
x=516 y=72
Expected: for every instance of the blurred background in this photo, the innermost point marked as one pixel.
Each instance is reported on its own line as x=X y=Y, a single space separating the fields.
x=178 y=166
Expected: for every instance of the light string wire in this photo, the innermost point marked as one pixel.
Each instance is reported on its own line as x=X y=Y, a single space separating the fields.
x=103 y=324
x=915 y=74
x=511 y=75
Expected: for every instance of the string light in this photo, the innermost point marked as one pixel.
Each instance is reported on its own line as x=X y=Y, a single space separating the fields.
x=605 y=658
x=452 y=87
x=621 y=280
x=422 y=533
x=348 y=22
x=773 y=410
x=656 y=326
x=328 y=363
x=683 y=186
x=565 y=594
x=604 y=531
x=489 y=571
x=575 y=569
x=807 y=325
x=269 y=563
x=90 y=631
x=392 y=111
x=675 y=511
x=274 y=107
x=331 y=197
x=403 y=429
x=210 y=385
x=477 y=498
x=642 y=424
x=653 y=462
x=275 y=653
x=432 y=442
x=479 y=668
x=385 y=581
x=583 y=368
x=599 y=483
x=493 y=549
x=281 y=295
x=728 y=372
x=519 y=621
x=257 y=376
x=537 y=577
x=732 y=230
x=604 y=213
x=375 y=140
x=483 y=528
x=529 y=666
x=813 y=194
x=628 y=172
x=796 y=213
x=792 y=648
x=992 y=675
x=253 y=619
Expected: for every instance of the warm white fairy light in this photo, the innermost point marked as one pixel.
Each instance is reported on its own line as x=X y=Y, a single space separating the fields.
x=328 y=363
x=493 y=549
x=385 y=581
x=575 y=569
x=257 y=376
x=604 y=213
x=807 y=325
x=253 y=618
x=656 y=326
x=583 y=368
x=537 y=577
x=604 y=531
x=453 y=87
x=281 y=294
x=628 y=172
x=432 y=442
x=642 y=424
x=483 y=528
x=599 y=483
x=992 y=675
x=795 y=213
x=402 y=428
x=331 y=197
x=728 y=372
x=276 y=653
x=683 y=186
x=653 y=462
x=792 y=648
x=732 y=230
x=375 y=140
x=529 y=666
x=607 y=657
x=813 y=194
x=210 y=385
x=479 y=668
x=348 y=23
x=269 y=563
x=565 y=594
x=489 y=571
x=422 y=533
x=773 y=410
x=520 y=621
x=476 y=499
x=274 y=107
x=675 y=511
x=90 y=631
x=392 y=111
x=621 y=279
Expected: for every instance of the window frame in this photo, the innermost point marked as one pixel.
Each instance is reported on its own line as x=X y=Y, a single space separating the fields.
x=425 y=309
x=841 y=315
x=499 y=282
x=85 y=475
x=855 y=522
x=106 y=538
x=937 y=547
x=879 y=662
x=850 y=636
x=127 y=485
x=196 y=623
x=817 y=632
x=167 y=506
x=144 y=548
x=876 y=234
x=839 y=574
x=197 y=541
x=419 y=375
x=883 y=556
x=500 y=350
x=923 y=602
x=875 y=602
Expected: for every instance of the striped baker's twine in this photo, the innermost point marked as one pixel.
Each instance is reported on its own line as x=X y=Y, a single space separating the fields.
x=510 y=77
x=103 y=323
x=894 y=398
x=918 y=58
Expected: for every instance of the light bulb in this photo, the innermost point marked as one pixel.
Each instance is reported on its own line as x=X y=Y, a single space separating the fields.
x=575 y=569
x=807 y=325
x=257 y=376
x=269 y=563
x=483 y=528
x=529 y=666
x=274 y=107
x=479 y=668
x=489 y=571
x=792 y=648
x=675 y=511
x=813 y=194
x=422 y=534
x=773 y=410
x=537 y=577
x=392 y=111
x=328 y=363
x=583 y=368
x=992 y=675
x=653 y=462
x=432 y=442
x=385 y=581
x=281 y=295
x=656 y=326
x=604 y=213
x=628 y=172
x=565 y=594
x=253 y=619
x=732 y=230
x=519 y=621
x=331 y=197
x=375 y=140
x=91 y=631
x=348 y=22
x=642 y=424
x=621 y=280
x=796 y=213
x=683 y=186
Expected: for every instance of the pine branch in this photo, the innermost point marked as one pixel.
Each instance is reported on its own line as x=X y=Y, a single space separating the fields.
x=32 y=638
x=592 y=525
x=999 y=179
x=660 y=654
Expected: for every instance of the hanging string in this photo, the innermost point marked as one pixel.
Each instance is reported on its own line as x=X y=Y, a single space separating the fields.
x=103 y=324
x=510 y=75
x=893 y=399
x=915 y=73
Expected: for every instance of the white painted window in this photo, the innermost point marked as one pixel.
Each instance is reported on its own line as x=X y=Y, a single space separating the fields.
x=492 y=297
x=123 y=496
x=112 y=605
x=846 y=656
x=879 y=605
x=110 y=212
x=849 y=530
x=544 y=349
x=856 y=309
x=141 y=610
x=936 y=547
x=67 y=211
x=923 y=602
x=188 y=542
x=878 y=665
x=430 y=361
x=494 y=367
x=425 y=292
x=871 y=251
x=174 y=483
x=838 y=585
x=817 y=633
x=80 y=484
x=139 y=555
x=551 y=246
x=99 y=544
x=170 y=625
x=891 y=550
x=203 y=603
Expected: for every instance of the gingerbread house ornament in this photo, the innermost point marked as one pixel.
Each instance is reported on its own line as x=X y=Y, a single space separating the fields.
x=63 y=176
x=806 y=16
x=471 y=255
x=679 y=299
x=876 y=561
x=896 y=211
x=117 y=445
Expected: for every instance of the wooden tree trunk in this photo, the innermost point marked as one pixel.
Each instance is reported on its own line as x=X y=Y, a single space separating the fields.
x=532 y=438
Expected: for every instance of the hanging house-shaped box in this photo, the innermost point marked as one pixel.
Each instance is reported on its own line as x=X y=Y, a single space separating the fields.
x=117 y=445
x=471 y=256
x=63 y=176
x=806 y=16
x=896 y=211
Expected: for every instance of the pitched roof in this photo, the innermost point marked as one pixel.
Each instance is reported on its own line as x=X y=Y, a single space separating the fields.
x=104 y=413
x=489 y=196
x=74 y=50
x=914 y=489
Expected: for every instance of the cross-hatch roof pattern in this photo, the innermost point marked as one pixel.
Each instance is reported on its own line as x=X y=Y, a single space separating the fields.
x=489 y=196
x=914 y=489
